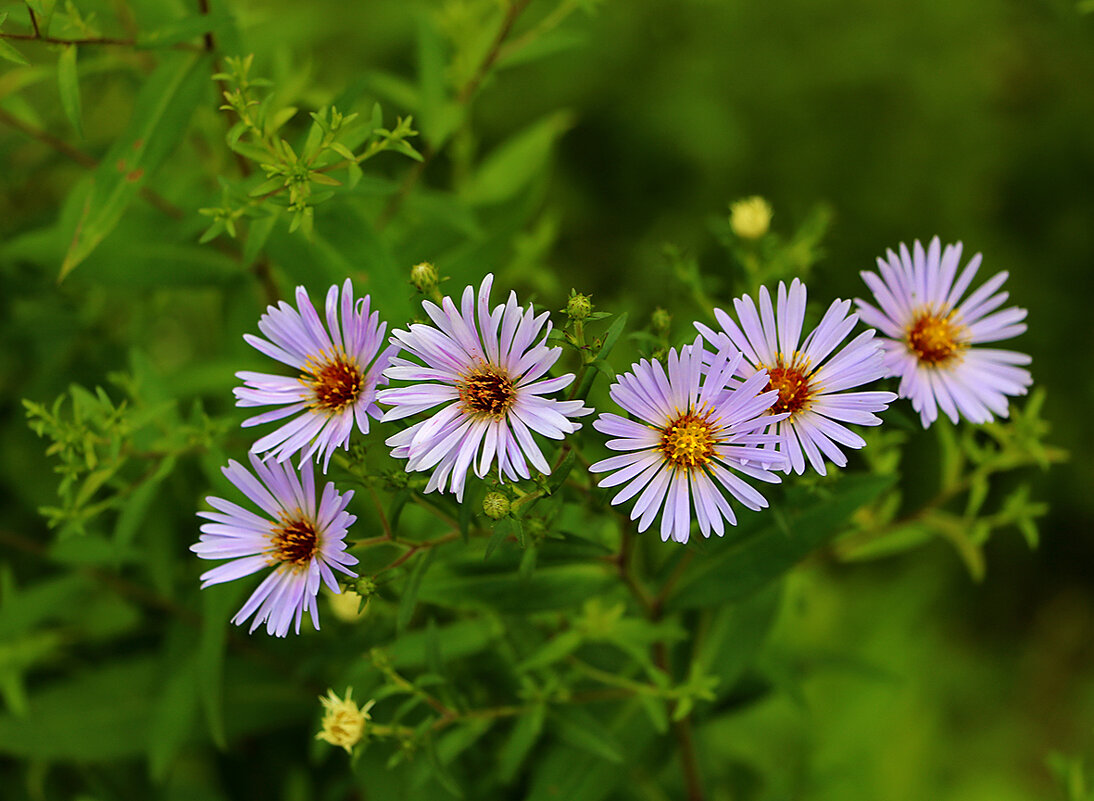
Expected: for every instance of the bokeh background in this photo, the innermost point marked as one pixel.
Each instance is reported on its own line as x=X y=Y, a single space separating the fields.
x=969 y=119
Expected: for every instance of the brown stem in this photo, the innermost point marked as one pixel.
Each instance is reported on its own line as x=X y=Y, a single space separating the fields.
x=469 y=88
x=688 y=760
x=380 y=511
x=420 y=546
x=210 y=45
x=624 y=561
x=653 y=608
x=262 y=271
x=672 y=581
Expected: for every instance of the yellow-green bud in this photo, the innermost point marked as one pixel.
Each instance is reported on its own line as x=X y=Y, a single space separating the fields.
x=343 y=721
x=661 y=321
x=495 y=505
x=424 y=277
x=346 y=606
x=579 y=306
x=750 y=218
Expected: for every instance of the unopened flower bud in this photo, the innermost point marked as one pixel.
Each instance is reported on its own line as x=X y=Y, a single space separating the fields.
x=343 y=721
x=365 y=587
x=424 y=277
x=579 y=306
x=346 y=606
x=750 y=218
x=495 y=505
x=661 y=322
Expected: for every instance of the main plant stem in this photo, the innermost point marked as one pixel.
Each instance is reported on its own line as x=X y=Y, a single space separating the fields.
x=653 y=606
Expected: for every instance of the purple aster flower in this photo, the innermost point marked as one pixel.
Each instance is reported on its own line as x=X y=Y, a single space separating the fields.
x=694 y=435
x=337 y=381
x=932 y=333
x=811 y=376
x=303 y=542
x=485 y=368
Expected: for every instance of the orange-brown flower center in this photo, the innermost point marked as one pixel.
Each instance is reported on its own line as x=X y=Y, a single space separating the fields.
x=688 y=442
x=793 y=387
x=934 y=340
x=336 y=383
x=295 y=542
x=487 y=390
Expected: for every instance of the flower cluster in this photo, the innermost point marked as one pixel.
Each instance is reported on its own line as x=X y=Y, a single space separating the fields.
x=754 y=398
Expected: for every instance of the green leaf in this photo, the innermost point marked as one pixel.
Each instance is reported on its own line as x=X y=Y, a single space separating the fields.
x=100 y=714
x=561 y=473
x=217 y=605
x=552 y=651
x=547 y=589
x=183 y=30
x=513 y=165
x=258 y=233
x=9 y=53
x=23 y=609
x=456 y=640
x=410 y=595
x=767 y=553
x=735 y=636
x=581 y=730
x=457 y=740
x=69 y=83
x=438 y=118
x=176 y=705
x=522 y=738
x=503 y=529
x=136 y=507
x=161 y=116
x=611 y=336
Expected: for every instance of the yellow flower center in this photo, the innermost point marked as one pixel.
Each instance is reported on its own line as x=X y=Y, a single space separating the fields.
x=295 y=542
x=688 y=442
x=337 y=383
x=487 y=390
x=935 y=340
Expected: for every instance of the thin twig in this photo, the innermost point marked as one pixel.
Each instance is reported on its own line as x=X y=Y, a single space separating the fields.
x=420 y=546
x=110 y=41
x=672 y=581
x=388 y=534
x=624 y=562
x=688 y=759
x=262 y=271
x=469 y=88
x=90 y=40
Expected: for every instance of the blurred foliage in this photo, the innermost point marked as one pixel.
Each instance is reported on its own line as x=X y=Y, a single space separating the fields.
x=172 y=166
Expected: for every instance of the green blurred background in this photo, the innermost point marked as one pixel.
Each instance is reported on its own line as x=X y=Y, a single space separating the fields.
x=972 y=120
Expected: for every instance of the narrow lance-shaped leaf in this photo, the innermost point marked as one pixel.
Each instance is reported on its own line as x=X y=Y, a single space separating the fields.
x=161 y=116
x=9 y=53
x=69 y=84
x=746 y=566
